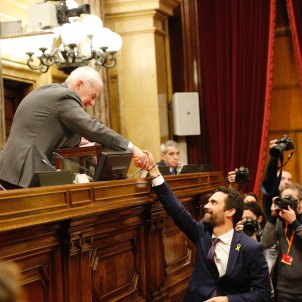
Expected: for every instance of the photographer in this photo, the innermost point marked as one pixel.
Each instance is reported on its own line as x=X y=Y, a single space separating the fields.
x=284 y=225
x=273 y=181
x=253 y=220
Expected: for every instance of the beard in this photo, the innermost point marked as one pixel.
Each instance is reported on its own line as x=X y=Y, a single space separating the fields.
x=213 y=220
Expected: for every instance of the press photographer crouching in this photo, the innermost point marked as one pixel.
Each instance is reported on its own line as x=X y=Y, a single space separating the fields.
x=284 y=225
x=253 y=221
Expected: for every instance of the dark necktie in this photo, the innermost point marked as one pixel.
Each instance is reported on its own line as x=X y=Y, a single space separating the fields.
x=211 y=252
x=174 y=171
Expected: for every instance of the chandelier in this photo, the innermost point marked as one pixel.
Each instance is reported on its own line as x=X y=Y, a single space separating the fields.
x=78 y=39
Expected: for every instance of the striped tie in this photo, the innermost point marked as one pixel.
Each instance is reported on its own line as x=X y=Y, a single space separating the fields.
x=211 y=252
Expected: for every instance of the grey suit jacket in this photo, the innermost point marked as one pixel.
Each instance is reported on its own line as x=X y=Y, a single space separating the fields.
x=50 y=117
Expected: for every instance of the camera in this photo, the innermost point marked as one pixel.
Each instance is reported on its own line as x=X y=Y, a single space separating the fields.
x=242 y=175
x=284 y=202
x=250 y=226
x=283 y=144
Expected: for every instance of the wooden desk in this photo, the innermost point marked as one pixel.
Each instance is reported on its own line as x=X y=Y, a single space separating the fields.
x=103 y=241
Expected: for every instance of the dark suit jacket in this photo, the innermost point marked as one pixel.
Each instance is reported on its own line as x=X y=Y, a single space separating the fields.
x=162 y=164
x=246 y=278
x=50 y=117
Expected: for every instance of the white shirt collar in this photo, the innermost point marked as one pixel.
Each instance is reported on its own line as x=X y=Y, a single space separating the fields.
x=226 y=237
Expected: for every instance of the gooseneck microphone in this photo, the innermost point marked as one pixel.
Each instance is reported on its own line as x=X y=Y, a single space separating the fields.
x=55 y=154
x=45 y=162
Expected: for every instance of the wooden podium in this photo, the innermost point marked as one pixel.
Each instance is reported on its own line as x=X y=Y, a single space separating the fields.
x=102 y=241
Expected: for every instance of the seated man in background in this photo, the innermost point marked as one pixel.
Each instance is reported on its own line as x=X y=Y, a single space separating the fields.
x=285 y=226
x=169 y=153
x=229 y=266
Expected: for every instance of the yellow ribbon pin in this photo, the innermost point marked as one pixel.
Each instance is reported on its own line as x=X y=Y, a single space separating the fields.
x=238 y=247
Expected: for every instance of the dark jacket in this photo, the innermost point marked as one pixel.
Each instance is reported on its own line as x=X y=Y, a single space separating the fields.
x=246 y=278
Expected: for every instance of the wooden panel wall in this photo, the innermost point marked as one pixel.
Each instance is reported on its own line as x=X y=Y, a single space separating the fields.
x=286 y=102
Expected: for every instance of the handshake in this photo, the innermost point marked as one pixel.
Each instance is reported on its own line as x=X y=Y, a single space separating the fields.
x=144 y=159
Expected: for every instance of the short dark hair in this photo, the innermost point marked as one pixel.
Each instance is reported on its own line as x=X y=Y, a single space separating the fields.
x=251 y=194
x=233 y=200
x=257 y=210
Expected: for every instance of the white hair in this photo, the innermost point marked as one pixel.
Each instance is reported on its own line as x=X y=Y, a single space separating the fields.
x=84 y=73
x=170 y=143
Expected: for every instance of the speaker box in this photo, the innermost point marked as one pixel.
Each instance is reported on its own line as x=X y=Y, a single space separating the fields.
x=185 y=111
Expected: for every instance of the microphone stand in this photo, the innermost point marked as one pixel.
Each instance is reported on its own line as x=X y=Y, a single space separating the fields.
x=45 y=162
x=55 y=154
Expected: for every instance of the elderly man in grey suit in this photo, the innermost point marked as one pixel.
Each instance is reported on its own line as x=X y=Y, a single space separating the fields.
x=53 y=116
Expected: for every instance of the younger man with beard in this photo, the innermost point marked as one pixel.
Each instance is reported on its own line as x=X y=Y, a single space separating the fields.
x=237 y=270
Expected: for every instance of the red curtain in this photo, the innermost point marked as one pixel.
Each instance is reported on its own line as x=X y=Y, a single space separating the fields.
x=294 y=9
x=236 y=52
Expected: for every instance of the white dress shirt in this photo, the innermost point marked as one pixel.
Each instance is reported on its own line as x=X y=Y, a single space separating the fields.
x=222 y=251
x=223 y=246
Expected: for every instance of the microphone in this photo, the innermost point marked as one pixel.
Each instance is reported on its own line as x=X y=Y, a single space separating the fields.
x=45 y=162
x=55 y=154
